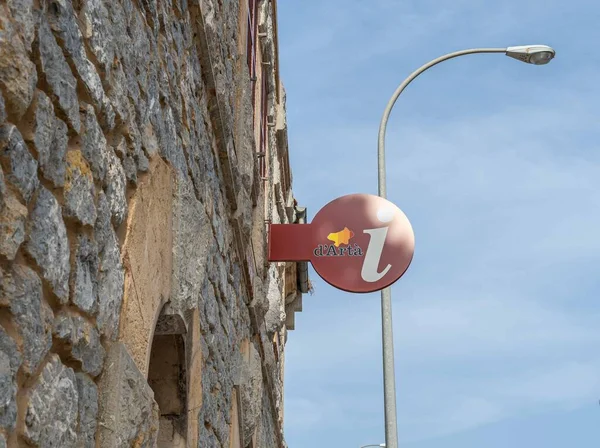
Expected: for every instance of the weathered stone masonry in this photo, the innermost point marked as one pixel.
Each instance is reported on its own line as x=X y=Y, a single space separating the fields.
x=143 y=151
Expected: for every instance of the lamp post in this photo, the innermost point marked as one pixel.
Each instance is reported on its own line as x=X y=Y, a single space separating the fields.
x=531 y=54
x=382 y=445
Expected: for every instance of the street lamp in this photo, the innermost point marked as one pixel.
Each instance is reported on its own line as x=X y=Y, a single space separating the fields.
x=380 y=445
x=531 y=54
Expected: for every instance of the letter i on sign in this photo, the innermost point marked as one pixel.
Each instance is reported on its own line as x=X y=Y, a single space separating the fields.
x=375 y=248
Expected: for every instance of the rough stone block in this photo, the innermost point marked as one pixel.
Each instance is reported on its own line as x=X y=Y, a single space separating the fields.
x=134 y=144
x=171 y=148
x=260 y=303
x=12 y=223
x=118 y=91
x=47 y=243
x=17 y=162
x=142 y=51
x=115 y=184
x=130 y=169
x=251 y=392
x=243 y=214
x=129 y=165
x=10 y=361
x=275 y=314
x=222 y=429
x=3 y=189
x=52 y=407
x=63 y=22
x=43 y=123
x=94 y=143
x=98 y=31
x=79 y=190
x=192 y=237
x=84 y=278
x=266 y=434
x=2 y=109
x=211 y=309
x=56 y=168
x=207 y=438
x=111 y=277
x=56 y=71
x=83 y=340
x=22 y=12
x=18 y=76
x=149 y=141
x=210 y=386
x=128 y=414
x=88 y=411
x=21 y=289
x=49 y=138
x=245 y=149
x=152 y=12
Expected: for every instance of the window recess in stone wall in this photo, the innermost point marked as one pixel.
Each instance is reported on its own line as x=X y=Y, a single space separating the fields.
x=167 y=377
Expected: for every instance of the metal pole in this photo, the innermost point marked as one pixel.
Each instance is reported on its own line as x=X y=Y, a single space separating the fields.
x=389 y=379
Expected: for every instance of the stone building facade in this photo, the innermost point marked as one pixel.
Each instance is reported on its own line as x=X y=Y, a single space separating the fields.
x=143 y=152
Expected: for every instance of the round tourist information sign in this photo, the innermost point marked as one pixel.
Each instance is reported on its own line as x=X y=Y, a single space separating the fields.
x=358 y=243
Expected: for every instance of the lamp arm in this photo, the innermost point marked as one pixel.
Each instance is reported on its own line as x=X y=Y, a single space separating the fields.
x=399 y=90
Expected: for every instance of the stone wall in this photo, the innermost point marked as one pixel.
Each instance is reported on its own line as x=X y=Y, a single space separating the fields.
x=131 y=208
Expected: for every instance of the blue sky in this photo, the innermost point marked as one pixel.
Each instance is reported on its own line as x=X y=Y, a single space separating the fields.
x=497 y=165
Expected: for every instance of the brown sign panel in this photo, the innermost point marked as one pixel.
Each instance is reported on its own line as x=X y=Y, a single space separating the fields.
x=358 y=243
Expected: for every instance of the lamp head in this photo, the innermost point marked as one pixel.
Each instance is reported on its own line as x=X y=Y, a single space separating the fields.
x=532 y=54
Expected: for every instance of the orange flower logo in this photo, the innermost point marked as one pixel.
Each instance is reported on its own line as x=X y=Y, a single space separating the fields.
x=341 y=237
